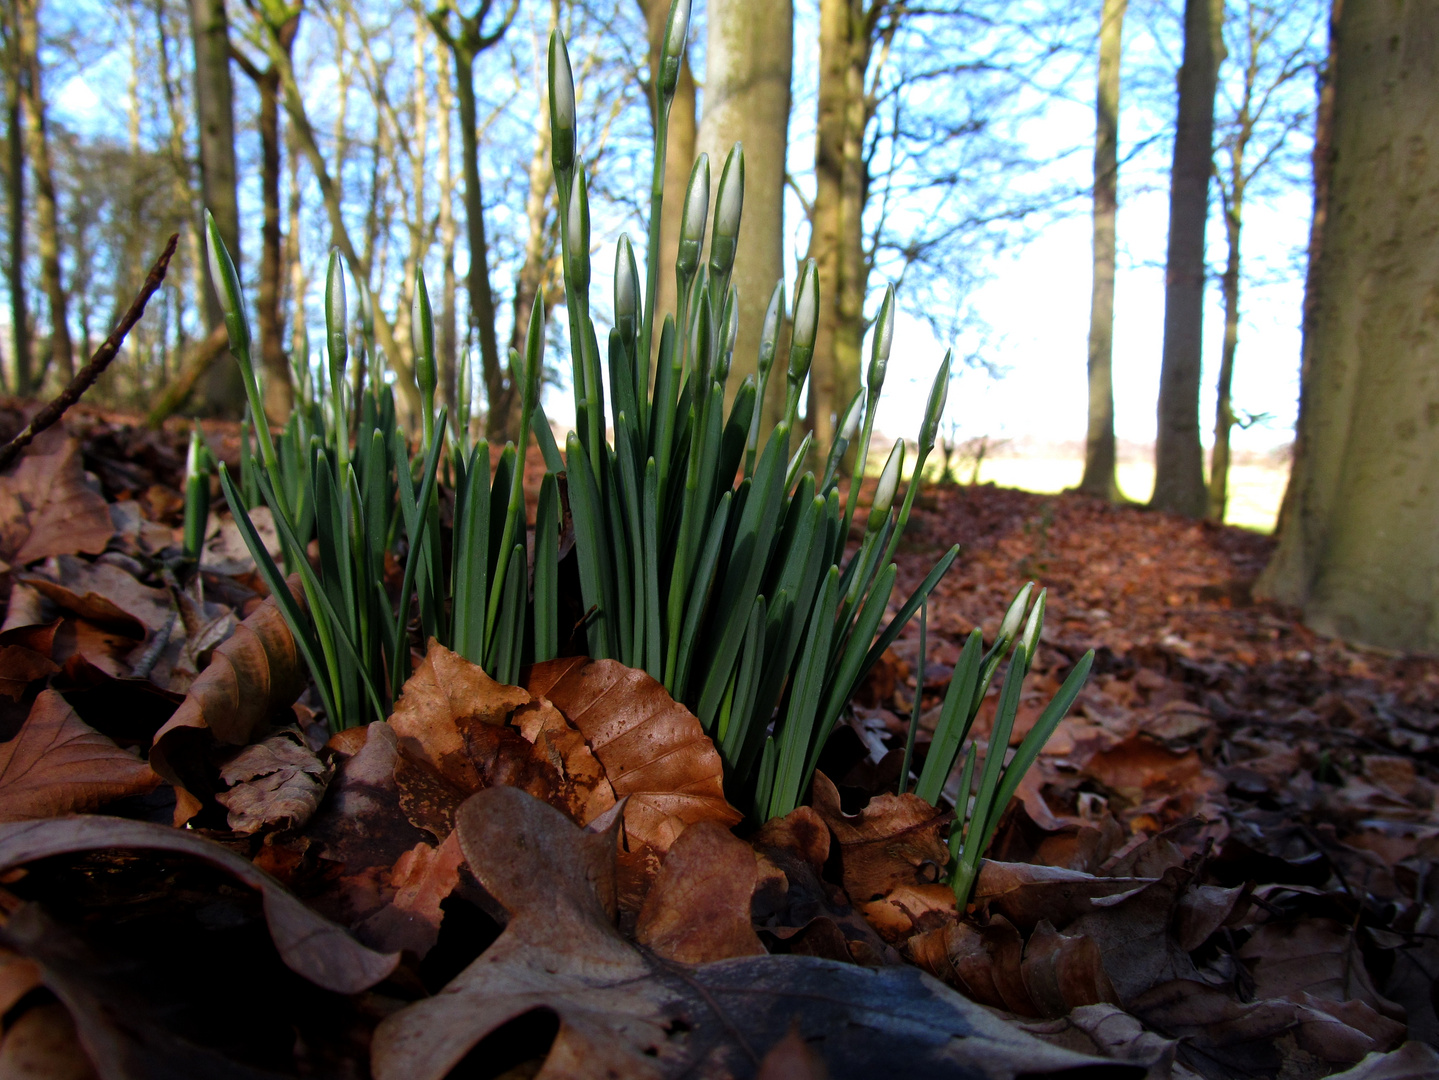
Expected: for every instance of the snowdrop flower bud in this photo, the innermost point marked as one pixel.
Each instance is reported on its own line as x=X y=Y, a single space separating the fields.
x=885 y=489
x=883 y=339
x=692 y=224
x=1033 y=627
x=627 y=289
x=562 y=106
x=336 y=317
x=422 y=333
x=1012 y=618
x=578 y=234
x=806 y=322
x=769 y=335
x=729 y=205
x=938 y=395
x=672 y=55
x=227 y=287
x=851 y=418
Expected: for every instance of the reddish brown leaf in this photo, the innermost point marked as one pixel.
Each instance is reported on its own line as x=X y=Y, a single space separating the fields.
x=42 y=1044
x=421 y=879
x=58 y=764
x=276 y=783
x=104 y=595
x=895 y=840
x=652 y=748
x=47 y=507
x=699 y=908
x=25 y=657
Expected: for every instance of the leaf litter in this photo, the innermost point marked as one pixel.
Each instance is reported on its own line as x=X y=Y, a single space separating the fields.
x=1220 y=866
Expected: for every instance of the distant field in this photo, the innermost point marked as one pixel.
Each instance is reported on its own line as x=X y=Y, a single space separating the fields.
x=1254 y=490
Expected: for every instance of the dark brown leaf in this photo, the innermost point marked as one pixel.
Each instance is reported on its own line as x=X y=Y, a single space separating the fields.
x=699 y=907
x=47 y=507
x=276 y=783
x=58 y=764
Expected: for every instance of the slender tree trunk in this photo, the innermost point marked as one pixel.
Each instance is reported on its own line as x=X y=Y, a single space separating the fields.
x=222 y=389
x=15 y=183
x=1099 y=452
x=47 y=218
x=1223 y=406
x=299 y=283
x=748 y=59
x=1357 y=553
x=1179 y=457
x=539 y=238
x=446 y=331
x=841 y=189
x=679 y=158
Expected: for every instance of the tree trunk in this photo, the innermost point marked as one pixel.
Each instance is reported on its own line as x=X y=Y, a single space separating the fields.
x=540 y=237
x=1223 y=405
x=748 y=58
x=1322 y=164
x=1099 y=452
x=1357 y=553
x=222 y=388
x=47 y=223
x=15 y=184
x=841 y=188
x=445 y=336
x=679 y=158
x=1178 y=455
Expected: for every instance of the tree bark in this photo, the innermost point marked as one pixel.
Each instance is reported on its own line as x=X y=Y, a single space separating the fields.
x=1223 y=405
x=15 y=184
x=1178 y=456
x=445 y=332
x=841 y=188
x=222 y=388
x=1357 y=554
x=539 y=239
x=679 y=158
x=749 y=55
x=1099 y=452
x=47 y=224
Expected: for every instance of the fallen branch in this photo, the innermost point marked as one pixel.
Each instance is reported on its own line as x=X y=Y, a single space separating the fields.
x=87 y=375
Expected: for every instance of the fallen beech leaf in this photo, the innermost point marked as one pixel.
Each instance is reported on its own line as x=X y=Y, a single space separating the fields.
x=1107 y=1030
x=911 y=909
x=698 y=909
x=422 y=878
x=896 y=840
x=1026 y=894
x=272 y=783
x=585 y=791
x=18 y=976
x=253 y=675
x=103 y=594
x=58 y=764
x=622 y=1013
x=311 y=946
x=47 y=507
x=653 y=749
x=1318 y=957
x=1063 y=972
x=1140 y=769
x=440 y=705
x=25 y=657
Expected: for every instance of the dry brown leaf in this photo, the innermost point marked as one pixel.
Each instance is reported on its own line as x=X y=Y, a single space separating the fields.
x=254 y=675
x=42 y=1045
x=421 y=879
x=103 y=594
x=1107 y=1030
x=896 y=840
x=275 y=783
x=652 y=748
x=699 y=907
x=25 y=657
x=310 y=945
x=1412 y=1061
x=586 y=790
x=439 y=707
x=792 y=1059
x=58 y=764
x=623 y=1013
x=1318 y=957
x=18 y=976
x=47 y=507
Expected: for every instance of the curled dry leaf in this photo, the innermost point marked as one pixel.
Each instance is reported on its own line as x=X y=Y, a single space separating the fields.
x=310 y=945
x=103 y=594
x=47 y=507
x=25 y=657
x=1412 y=1061
x=58 y=764
x=652 y=748
x=276 y=783
x=698 y=909
x=1106 y=1030
x=42 y=1043
x=895 y=841
x=253 y=675
x=421 y=879
x=624 y=1013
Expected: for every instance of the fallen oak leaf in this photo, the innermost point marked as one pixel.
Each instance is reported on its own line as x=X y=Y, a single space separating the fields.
x=58 y=764
x=623 y=1013
x=309 y=944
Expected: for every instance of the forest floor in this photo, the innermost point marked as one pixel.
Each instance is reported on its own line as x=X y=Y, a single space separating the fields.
x=1220 y=866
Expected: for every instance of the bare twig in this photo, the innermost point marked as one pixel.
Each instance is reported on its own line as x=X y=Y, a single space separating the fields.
x=87 y=375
